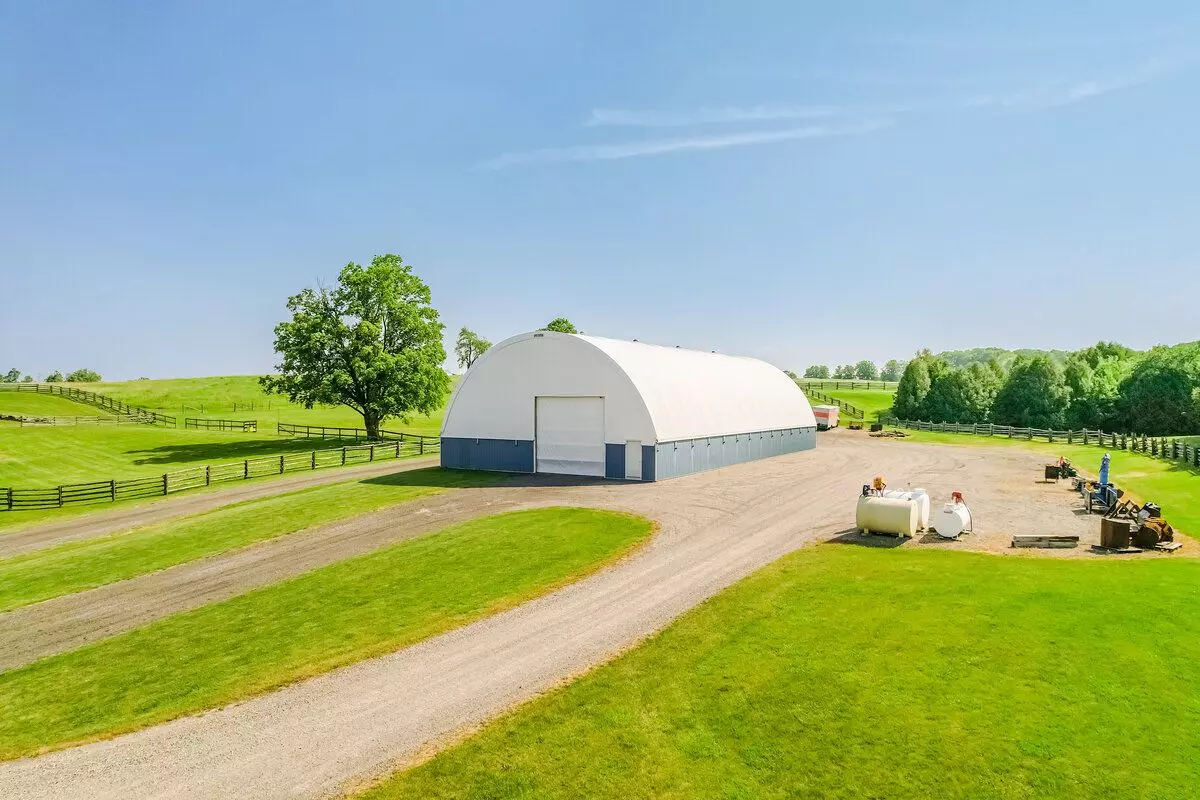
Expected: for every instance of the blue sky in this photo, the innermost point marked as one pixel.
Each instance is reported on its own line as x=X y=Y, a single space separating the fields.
x=801 y=182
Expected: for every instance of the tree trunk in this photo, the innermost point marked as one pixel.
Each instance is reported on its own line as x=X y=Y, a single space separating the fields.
x=371 y=421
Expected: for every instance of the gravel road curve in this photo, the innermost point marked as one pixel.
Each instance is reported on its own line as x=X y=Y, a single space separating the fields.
x=346 y=728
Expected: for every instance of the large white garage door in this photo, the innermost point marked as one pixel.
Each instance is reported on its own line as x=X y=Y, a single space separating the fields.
x=570 y=435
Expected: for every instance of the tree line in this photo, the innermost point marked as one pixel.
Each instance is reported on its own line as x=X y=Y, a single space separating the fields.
x=78 y=376
x=1106 y=386
x=862 y=371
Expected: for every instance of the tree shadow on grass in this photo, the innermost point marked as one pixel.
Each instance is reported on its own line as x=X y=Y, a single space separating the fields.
x=218 y=452
x=856 y=537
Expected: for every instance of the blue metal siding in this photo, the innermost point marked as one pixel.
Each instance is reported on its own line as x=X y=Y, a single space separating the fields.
x=672 y=459
x=647 y=462
x=501 y=455
x=614 y=461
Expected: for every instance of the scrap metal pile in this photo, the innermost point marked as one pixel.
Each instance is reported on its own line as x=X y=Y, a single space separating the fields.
x=1127 y=526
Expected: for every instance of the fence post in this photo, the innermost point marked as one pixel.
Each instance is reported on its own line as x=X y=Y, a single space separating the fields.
x=314 y=459
x=164 y=483
x=10 y=499
x=207 y=475
x=344 y=452
x=60 y=503
x=372 y=453
x=281 y=463
x=421 y=447
x=112 y=490
x=246 y=469
x=398 y=447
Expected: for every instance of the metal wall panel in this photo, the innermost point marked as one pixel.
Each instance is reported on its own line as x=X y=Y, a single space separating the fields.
x=673 y=459
x=500 y=455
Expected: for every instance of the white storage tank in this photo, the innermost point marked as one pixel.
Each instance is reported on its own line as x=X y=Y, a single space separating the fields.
x=918 y=496
x=952 y=520
x=892 y=515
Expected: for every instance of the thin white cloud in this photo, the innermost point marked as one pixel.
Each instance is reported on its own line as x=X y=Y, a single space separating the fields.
x=655 y=147
x=1055 y=94
x=706 y=116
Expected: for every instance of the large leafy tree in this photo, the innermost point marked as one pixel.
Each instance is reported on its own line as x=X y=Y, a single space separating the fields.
x=54 y=377
x=560 y=324
x=1158 y=396
x=373 y=343
x=1094 y=375
x=83 y=376
x=1034 y=395
x=817 y=371
x=12 y=376
x=918 y=378
x=469 y=347
x=866 y=371
x=845 y=372
x=892 y=370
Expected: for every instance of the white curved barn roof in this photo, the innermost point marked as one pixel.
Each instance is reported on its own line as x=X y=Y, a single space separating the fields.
x=657 y=393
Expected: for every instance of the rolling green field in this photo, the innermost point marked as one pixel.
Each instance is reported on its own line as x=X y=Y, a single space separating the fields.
x=240 y=397
x=29 y=404
x=336 y=615
x=851 y=672
x=872 y=402
x=1171 y=484
x=34 y=457
x=76 y=566
x=47 y=456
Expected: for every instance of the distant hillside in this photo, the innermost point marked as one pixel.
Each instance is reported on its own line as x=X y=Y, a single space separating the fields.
x=982 y=355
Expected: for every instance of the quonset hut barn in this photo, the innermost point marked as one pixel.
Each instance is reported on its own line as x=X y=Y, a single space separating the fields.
x=570 y=404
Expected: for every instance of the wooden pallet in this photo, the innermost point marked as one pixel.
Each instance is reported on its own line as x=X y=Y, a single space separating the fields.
x=1046 y=540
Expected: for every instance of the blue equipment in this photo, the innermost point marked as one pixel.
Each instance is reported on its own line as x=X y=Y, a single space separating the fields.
x=1102 y=495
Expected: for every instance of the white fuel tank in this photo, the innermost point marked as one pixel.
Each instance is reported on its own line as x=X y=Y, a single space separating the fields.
x=920 y=498
x=886 y=515
x=951 y=520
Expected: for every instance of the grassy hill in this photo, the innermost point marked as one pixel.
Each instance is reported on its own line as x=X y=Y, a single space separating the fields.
x=29 y=404
x=240 y=397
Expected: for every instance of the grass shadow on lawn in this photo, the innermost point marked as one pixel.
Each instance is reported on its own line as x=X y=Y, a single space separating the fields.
x=234 y=450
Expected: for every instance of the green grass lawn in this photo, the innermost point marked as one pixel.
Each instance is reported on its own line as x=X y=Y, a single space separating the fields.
x=1171 y=484
x=873 y=403
x=850 y=672
x=30 y=404
x=240 y=397
x=34 y=457
x=336 y=615
x=76 y=566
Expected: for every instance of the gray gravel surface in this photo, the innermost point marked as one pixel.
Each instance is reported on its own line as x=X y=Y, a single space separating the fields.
x=341 y=730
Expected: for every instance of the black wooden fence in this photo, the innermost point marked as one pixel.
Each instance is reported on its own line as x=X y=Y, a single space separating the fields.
x=112 y=419
x=1169 y=448
x=852 y=410
x=201 y=423
x=356 y=434
x=112 y=405
x=195 y=477
x=823 y=383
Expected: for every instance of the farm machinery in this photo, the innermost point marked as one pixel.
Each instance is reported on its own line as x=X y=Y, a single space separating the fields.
x=1125 y=522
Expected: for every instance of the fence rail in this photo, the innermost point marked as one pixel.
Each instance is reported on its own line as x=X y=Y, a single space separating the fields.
x=117 y=419
x=357 y=434
x=825 y=383
x=112 y=405
x=202 y=423
x=195 y=477
x=852 y=410
x=1164 y=447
